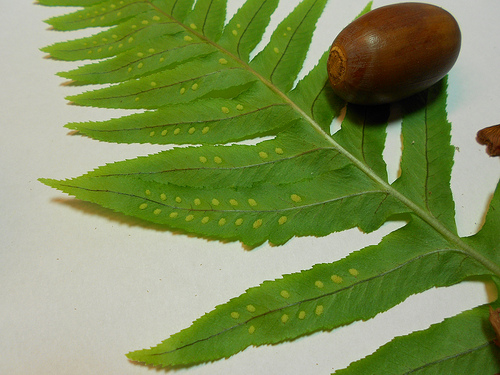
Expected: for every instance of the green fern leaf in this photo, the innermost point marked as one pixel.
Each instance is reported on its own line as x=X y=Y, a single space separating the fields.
x=428 y=157
x=322 y=298
x=195 y=80
x=461 y=345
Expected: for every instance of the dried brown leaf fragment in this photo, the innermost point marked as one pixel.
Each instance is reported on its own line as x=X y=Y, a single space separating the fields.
x=490 y=137
x=495 y=322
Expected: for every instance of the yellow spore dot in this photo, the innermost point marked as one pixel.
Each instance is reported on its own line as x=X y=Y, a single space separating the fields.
x=90 y=52
x=251 y=330
x=235 y=315
x=191 y=130
x=238 y=222
x=162 y=59
x=252 y=202
x=114 y=36
x=187 y=38
x=205 y=220
x=137 y=99
x=238 y=26
x=140 y=54
x=203 y=159
x=151 y=134
x=257 y=224
x=225 y=110
x=222 y=222
x=217 y=160
x=157 y=211
x=110 y=48
x=163 y=197
x=143 y=206
x=140 y=65
x=113 y=6
x=233 y=202
x=215 y=202
x=102 y=18
x=278 y=150
x=164 y=133
x=285 y=294
x=99 y=50
x=119 y=14
x=129 y=69
x=251 y=308
x=189 y=218
x=153 y=84
x=337 y=279
x=319 y=284
x=222 y=61
x=151 y=50
x=282 y=220
x=319 y=310
x=193 y=26
x=177 y=131
x=234 y=32
x=263 y=155
x=296 y=198
x=120 y=45
x=302 y=315
x=156 y=18
x=284 y=318
x=354 y=272
x=130 y=40
x=195 y=87
x=205 y=130
x=145 y=22
x=239 y=107
x=183 y=90
x=197 y=202
x=178 y=199
x=276 y=50
x=148 y=192
x=289 y=28
x=174 y=215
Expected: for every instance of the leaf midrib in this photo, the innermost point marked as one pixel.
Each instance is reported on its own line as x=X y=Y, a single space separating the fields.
x=232 y=210
x=217 y=168
x=454 y=356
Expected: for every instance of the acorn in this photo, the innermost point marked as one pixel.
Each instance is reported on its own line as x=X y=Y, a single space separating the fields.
x=393 y=52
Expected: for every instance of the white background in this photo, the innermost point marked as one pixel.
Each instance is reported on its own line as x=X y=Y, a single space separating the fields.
x=80 y=287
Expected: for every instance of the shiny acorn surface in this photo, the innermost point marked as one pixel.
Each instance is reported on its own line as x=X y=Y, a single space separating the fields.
x=393 y=52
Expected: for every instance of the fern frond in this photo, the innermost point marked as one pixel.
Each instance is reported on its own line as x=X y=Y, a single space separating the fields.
x=193 y=77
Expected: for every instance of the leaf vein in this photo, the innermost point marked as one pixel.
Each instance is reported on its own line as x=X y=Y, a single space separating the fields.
x=290 y=41
x=232 y=210
x=456 y=355
x=165 y=86
x=191 y=122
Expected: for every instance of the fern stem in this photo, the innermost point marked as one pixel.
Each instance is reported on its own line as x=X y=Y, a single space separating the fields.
x=417 y=210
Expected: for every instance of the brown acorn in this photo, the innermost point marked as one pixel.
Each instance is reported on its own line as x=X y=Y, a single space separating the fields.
x=393 y=52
